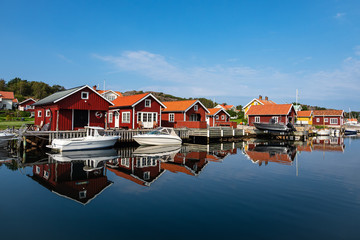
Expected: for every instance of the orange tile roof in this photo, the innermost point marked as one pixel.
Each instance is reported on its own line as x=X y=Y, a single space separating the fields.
x=266 y=101
x=7 y=95
x=178 y=106
x=213 y=110
x=128 y=100
x=267 y=157
x=304 y=113
x=328 y=112
x=269 y=109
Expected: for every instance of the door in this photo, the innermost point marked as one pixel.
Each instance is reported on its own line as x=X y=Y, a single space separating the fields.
x=116 y=119
x=147 y=119
x=81 y=118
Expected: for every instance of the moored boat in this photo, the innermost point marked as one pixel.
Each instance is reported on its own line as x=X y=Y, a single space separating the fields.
x=95 y=139
x=323 y=132
x=160 y=136
x=272 y=126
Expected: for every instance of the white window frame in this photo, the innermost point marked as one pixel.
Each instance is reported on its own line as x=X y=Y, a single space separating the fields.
x=217 y=117
x=222 y=117
x=147 y=103
x=334 y=121
x=82 y=194
x=37 y=169
x=110 y=117
x=47 y=113
x=196 y=108
x=171 y=117
x=147 y=175
x=125 y=117
x=326 y=120
x=39 y=113
x=276 y=119
x=257 y=119
x=317 y=120
x=86 y=96
x=46 y=174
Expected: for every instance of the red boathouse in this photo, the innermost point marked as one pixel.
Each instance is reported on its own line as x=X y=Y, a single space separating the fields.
x=71 y=109
x=282 y=113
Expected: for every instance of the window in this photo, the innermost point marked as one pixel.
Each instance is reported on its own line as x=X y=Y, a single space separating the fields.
x=126 y=117
x=196 y=108
x=39 y=113
x=47 y=113
x=223 y=117
x=257 y=119
x=82 y=194
x=110 y=118
x=171 y=117
x=217 y=117
x=46 y=174
x=111 y=97
x=333 y=121
x=125 y=162
x=147 y=103
x=84 y=95
x=326 y=120
x=37 y=170
x=317 y=120
x=146 y=175
x=276 y=119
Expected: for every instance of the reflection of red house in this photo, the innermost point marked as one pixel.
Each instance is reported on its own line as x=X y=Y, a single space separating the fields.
x=141 y=170
x=283 y=113
x=328 y=117
x=71 y=181
x=189 y=113
x=219 y=117
x=72 y=109
x=26 y=106
x=328 y=144
x=135 y=111
x=191 y=163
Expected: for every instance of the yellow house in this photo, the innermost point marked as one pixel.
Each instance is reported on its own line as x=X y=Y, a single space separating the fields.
x=256 y=101
x=305 y=117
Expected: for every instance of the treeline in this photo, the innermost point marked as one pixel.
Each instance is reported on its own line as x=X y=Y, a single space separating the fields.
x=24 y=89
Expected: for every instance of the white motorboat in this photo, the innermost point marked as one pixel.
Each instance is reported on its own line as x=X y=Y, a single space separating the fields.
x=156 y=151
x=95 y=138
x=160 y=136
x=323 y=132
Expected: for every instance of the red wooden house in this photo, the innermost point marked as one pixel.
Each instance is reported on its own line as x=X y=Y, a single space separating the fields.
x=26 y=105
x=72 y=109
x=328 y=117
x=282 y=113
x=135 y=111
x=219 y=117
x=188 y=113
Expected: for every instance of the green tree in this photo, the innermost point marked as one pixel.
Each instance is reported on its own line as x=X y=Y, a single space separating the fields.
x=2 y=85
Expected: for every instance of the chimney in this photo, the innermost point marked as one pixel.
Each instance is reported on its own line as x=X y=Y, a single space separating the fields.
x=94 y=87
x=260 y=97
x=266 y=98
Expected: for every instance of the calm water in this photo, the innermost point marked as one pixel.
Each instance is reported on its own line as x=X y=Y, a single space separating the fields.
x=248 y=190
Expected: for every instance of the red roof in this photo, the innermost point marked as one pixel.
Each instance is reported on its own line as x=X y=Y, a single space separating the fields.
x=270 y=109
x=328 y=112
x=128 y=100
x=6 y=95
x=304 y=113
x=178 y=106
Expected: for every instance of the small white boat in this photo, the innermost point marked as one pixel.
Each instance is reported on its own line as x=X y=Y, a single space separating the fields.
x=160 y=136
x=6 y=135
x=323 y=132
x=95 y=138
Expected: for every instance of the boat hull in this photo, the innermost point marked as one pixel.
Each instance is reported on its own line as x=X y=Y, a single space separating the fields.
x=157 y=140
x=85 y=143
x=276 y=127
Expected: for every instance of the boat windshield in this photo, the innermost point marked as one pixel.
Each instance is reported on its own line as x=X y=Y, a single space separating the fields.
x=160 y=131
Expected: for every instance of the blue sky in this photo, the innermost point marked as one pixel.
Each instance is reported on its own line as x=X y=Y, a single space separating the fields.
x=230 y=51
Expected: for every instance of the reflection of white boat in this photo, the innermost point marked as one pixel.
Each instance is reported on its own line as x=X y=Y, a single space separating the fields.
x=160 y=136
x=323 y=132
x=155 y=151
x=350 y=131
x=95 y=138
x=94 y=159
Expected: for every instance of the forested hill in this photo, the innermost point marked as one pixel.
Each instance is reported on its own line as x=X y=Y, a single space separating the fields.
x=24 y=89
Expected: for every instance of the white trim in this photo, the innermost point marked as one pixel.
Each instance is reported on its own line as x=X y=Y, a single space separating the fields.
x=82 y=89
x=251 y=102
x=72 y=119
x=106 y=91
x=39 y=115
x=197 y=101
x=133 y=118
x=220 y=109
x=149 y=103
x=257 y=117
x=47 y=113
x=85 y=96
x=125 y=114
x=146 y=97
x=26 y=101
x=172 y=114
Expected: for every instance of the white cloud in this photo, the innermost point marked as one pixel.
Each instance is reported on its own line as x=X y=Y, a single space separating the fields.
x=339 y=15
x=234 y=81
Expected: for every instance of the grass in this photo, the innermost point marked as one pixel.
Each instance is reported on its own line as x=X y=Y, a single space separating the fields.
x=15 y=124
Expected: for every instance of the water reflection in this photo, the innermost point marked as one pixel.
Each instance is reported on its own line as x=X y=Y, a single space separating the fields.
x=328 y=144
x=265 y=152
